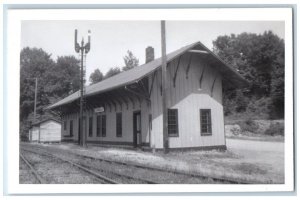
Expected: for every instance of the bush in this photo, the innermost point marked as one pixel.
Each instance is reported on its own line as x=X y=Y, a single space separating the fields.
x=259 y=108
x=275 y=129
x=248 y=126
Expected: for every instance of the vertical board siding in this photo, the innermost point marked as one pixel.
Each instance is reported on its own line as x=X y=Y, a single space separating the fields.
x=127 y=123
x=50 y=131
x=189 y=98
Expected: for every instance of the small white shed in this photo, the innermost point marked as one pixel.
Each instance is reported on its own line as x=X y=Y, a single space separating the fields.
x=34 y=134
x=48 y=130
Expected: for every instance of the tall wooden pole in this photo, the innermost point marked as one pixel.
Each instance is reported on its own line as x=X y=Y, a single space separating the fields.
x=164 y=79
x=35 y=100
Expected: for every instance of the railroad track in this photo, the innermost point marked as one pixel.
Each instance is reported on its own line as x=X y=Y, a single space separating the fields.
x=94 y=171
x=32 y=170
x=216 y=179
x=99 y=177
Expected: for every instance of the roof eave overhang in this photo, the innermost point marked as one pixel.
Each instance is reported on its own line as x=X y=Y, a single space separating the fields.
x=237 y=80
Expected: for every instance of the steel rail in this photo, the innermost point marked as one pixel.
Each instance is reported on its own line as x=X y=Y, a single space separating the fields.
x=33 y=171
x=109 y=171
x=220 y=179
x=99 y=176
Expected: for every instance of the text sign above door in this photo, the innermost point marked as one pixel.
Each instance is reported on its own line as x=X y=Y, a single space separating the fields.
x=99 y=110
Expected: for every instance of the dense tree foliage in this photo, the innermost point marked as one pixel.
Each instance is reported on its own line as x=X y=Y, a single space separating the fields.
x=260 y=59
x=112 y=71
x=34 y=64
x=56 y=80
x=96 y=76
x=130 y=61
x=64 y=78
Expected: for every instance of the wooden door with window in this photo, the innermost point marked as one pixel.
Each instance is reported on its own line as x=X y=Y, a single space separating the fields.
x=137 y=130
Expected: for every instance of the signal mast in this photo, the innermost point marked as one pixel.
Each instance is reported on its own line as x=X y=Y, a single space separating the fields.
x=83 y=49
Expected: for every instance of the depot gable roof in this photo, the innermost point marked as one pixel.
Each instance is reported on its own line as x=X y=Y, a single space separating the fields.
x=137 y=73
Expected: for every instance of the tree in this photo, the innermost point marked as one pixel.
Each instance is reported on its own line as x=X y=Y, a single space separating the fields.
x=130 y=61
x=260 y=59
x=55 y=81
x=96 y=76
x=63 y=78
x=34 y=63
x=111 y=72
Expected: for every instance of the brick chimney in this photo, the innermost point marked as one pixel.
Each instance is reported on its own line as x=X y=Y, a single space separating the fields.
x=149 y=54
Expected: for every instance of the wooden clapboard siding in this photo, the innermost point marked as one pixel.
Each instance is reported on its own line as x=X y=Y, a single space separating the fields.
x=50 y=131
x=189 y=98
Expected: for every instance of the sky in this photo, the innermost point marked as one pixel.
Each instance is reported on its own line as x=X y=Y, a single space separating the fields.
x=110 y=40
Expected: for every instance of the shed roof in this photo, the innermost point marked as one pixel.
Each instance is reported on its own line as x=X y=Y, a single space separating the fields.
x=45 y=120
x=137 y=73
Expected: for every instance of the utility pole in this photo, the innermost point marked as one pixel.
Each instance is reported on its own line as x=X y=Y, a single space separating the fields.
x=164 y=88
x=35 y=100
x=83 y=49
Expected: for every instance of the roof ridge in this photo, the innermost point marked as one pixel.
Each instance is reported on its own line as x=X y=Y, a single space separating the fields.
x=141 y=71
x=156 y=59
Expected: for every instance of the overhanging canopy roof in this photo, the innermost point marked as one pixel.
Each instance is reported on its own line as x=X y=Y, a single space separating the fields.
x=137 y=73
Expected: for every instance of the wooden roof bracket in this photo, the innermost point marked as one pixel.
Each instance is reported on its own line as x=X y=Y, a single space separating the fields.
x=213 y=85
x=117 y=100
x=137 y=94
x=201 y=76
x=145 y=90
x=132 y=101
x=140 y=102
x=89 y=106
x=121 y=95
x=160 y=89
x=113 y=102
x=109 y=105
x=188 y=67
x=153 y=79
x=175 y=75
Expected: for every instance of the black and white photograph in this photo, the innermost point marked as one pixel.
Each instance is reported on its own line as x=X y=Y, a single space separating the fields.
x=161 y=101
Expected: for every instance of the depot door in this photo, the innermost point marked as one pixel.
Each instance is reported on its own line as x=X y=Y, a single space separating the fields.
x=137 y=133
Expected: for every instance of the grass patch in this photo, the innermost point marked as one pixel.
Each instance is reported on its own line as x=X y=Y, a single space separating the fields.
x=248 y=168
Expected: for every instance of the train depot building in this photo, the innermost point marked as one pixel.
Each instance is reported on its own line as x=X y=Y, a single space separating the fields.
x=126 y=109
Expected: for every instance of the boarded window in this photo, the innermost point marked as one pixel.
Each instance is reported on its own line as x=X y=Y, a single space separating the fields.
x=71 y=127
x=205 y=122
x=65 y=125
x=119 y=124
x=101 y=125
x=173 y=122
x=90 y=126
